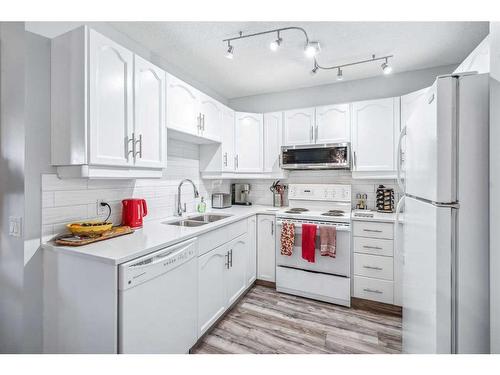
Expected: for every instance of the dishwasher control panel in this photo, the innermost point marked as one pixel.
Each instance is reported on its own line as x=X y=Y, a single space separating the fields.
x=150 y=266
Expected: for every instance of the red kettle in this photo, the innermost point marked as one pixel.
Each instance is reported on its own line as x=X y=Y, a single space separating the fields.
x=133 y=210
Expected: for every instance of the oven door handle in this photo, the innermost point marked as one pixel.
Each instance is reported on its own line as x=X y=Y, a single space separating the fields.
x=298 y=229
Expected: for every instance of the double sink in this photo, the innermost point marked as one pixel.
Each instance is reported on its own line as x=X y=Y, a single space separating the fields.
x=197 y=221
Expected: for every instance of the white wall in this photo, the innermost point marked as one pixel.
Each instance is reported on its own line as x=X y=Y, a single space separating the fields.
x=341 y=92
x=11 y=183
x=495 y=186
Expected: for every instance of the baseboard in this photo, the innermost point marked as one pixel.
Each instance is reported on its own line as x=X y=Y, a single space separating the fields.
x=269 y=284
x=377 y=307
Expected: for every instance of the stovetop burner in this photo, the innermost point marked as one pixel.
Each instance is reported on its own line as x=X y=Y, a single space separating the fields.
x=293 y=212
x=333 y=213
x=297 y=209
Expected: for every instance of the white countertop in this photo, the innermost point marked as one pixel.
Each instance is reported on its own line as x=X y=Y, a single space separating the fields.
x=154 y=236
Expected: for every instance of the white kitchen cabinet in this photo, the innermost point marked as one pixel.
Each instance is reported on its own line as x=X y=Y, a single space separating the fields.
x=236 y=280
x=266 y=248
x=273 y=139
x=149 y=103
x=211 y=117
x=248 y=133
x=299 y=126
x=375 y=125
x=333 y=124
x=478 y=60
x=94 y=131
x=251 y=273
x=212 y=297
x=183 y=108
x=227 y=138
x=111 y=69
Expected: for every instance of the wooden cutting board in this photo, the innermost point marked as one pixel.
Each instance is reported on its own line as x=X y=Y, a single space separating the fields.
x=71 y=240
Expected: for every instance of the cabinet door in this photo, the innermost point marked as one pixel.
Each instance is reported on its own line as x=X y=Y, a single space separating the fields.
x=266 y=248
x=227 y=135
x=182 y=106
x=408 y=104
x=212 y=267
x=110 y=102
x=272 y=140
x=211 y=117
x=299 y=127
x=252 y=250
x=373 y=135
x=149 y=126
x=333 y=124
x=248 y=142
x=236 y=280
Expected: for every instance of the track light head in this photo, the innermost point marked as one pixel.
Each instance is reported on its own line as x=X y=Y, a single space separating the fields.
x=229 y=53
x=386 y=68
x=340 y=77
x=315 y=69
x=312 y=49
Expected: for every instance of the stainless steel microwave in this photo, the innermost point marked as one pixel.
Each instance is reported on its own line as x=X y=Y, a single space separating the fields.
x=321 y=156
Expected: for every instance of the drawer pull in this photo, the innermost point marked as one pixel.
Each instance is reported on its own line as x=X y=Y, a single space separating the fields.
x=372 y=247
x=373 y=230
x=373 y=268
x=372 y=290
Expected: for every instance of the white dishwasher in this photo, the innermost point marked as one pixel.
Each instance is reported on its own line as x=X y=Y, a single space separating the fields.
x=157 y=301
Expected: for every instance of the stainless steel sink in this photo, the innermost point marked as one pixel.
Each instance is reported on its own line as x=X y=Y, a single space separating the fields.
x=208 y=218
x=186 y=223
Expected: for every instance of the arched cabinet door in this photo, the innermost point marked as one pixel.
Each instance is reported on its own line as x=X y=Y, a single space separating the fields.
x=183 y=112
x=211 y=112
x=248 y=133
x=299 y=127
x=333 y=124
x=236 y=276
x=266 y=246
x=273 y=139
x=374 y=130
x=149 y=126
x=212 y=268
x=111 y=100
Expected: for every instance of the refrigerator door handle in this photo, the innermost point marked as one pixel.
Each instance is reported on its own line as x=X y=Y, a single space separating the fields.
x=399 y=206
x=398 y=161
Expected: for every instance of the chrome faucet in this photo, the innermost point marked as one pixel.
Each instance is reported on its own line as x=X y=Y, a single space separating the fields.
x=196 y=195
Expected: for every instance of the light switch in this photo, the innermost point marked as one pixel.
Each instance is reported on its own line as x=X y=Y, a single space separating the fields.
x=15 y=226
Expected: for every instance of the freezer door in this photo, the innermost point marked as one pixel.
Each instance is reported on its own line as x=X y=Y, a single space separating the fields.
x=427 y=277
x=430 y=165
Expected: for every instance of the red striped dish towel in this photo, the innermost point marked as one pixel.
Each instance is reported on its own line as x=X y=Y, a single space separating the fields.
x=308 y=242
x=328 y=241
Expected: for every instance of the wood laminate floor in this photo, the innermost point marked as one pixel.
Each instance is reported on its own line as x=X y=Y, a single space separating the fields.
x=266 y=321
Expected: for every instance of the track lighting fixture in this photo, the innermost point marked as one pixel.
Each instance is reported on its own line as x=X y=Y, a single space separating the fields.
x=275 y=44
x=340 y=77
x=386 y=68
x=229 y=53
x=312 y=49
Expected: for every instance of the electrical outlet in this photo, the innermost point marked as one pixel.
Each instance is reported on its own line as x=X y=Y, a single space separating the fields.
x=101 y=210
x=15 y=226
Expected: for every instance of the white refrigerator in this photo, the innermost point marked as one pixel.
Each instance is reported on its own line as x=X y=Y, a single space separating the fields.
x=446 y=227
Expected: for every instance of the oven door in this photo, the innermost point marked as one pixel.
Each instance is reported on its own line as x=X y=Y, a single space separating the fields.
x=324 y=156
x=340 y=265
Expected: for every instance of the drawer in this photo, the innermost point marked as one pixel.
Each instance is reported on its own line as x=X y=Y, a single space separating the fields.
x=373 y=229
x=374 y=246
x=375 y=266
x=373 y=289
x=220 y=236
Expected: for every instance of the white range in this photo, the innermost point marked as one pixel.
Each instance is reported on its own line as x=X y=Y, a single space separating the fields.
x=327 y=279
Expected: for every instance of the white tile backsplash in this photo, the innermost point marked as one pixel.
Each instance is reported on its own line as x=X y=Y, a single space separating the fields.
x=67 y=200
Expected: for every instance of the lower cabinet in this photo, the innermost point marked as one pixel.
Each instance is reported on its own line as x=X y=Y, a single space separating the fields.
x=222 y=277
x=252 y=250
x=266 y=248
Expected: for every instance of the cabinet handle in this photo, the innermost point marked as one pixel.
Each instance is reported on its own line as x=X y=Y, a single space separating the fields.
x=226 y=264
x=272 y=228
x=372 y=290
x=373 y=230
x=231 y=258
x=127 y=147
x=236 y=161
x=140 y=147
x=355 y=163
x=203 y=122
x=225 y=159
x=199 y=122
x=373 y=268
x=372 y=247
x=316 y=134
x=311 y=134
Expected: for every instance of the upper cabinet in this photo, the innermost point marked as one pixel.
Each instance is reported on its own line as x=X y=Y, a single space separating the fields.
x=299 y=127
x=375 y=125
x=478 y=60
x=248 y=135
x=227 y=135
x=333 y=124
x=273 y=139
x=211 y=117
x=94 y=132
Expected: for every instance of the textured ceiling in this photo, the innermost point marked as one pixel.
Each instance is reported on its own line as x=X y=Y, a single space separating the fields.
x=197 y=49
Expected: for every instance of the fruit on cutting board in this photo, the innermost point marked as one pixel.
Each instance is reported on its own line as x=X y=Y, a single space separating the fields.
x=89 y=228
